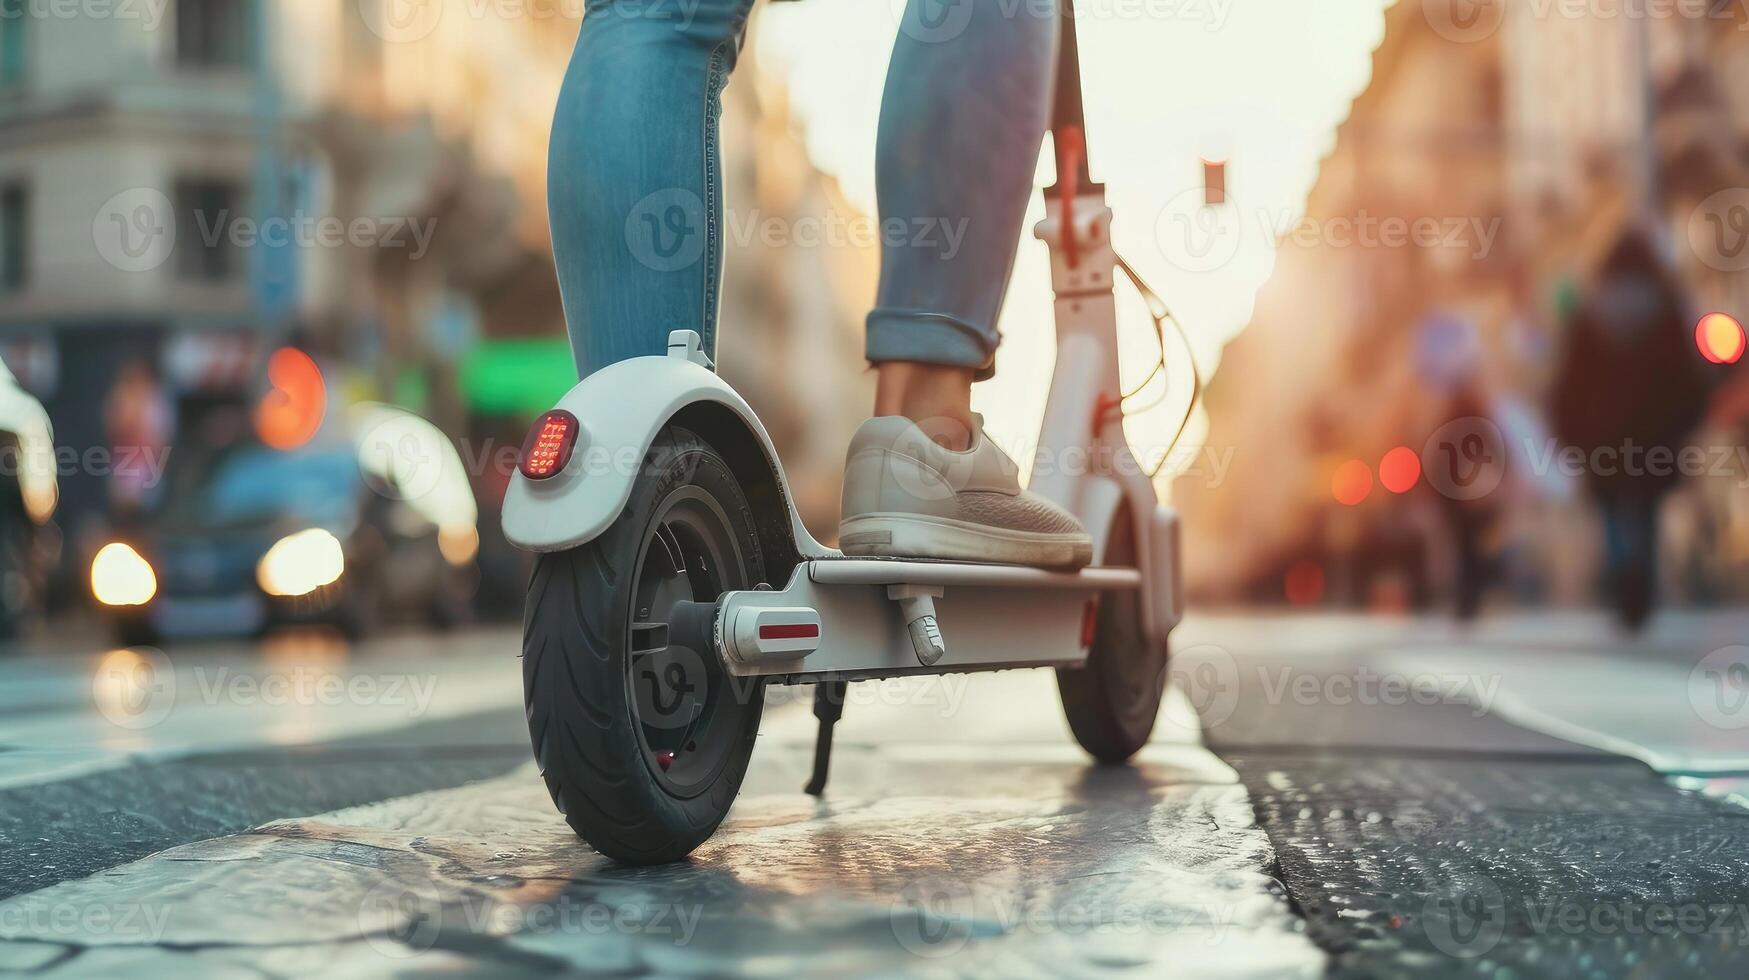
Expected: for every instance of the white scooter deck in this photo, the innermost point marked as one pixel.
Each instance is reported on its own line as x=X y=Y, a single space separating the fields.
x=853 y=618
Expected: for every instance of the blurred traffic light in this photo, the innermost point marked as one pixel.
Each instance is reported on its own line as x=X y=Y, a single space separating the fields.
x=1400 y=470
x=1351 y=483
x=292 y=410
x=1214 y=182
x=1720 y=338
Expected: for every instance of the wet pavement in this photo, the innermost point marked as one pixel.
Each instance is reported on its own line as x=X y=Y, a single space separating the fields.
x=1350 y=796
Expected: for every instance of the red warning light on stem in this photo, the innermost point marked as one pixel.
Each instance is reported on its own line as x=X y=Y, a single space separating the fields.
x=548 y=446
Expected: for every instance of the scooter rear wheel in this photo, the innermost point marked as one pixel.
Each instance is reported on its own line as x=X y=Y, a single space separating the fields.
x=643 y=739
x=1111 y=701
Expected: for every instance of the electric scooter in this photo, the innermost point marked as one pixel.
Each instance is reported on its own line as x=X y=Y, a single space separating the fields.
x=675 y=579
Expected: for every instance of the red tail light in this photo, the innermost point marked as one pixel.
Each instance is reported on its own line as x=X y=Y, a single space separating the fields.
x=549 y=444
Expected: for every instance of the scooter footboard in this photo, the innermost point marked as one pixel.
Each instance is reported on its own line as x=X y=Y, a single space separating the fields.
x=866 y=618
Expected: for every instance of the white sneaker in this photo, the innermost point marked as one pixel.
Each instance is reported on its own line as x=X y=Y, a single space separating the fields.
x=907 y=496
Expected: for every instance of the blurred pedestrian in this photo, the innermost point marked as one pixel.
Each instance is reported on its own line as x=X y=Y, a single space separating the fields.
x=1628 y=394
x=138 y=420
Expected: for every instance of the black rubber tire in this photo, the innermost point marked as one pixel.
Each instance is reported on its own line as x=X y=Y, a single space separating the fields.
x=576 y=669
x=1112 y=700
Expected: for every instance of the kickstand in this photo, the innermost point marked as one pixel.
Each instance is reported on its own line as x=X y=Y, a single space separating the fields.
x=828 y=707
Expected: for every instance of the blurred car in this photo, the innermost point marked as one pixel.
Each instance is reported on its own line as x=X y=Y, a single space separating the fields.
x=28 y=495
x=373 y=518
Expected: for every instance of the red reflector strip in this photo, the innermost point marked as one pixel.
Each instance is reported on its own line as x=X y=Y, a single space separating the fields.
x=798 y=631
x=549 y=444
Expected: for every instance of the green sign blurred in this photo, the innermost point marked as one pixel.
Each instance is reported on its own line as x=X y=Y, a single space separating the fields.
x=517 y=377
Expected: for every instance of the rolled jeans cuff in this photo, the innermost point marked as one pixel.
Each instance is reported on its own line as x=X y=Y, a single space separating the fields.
x=930 y=338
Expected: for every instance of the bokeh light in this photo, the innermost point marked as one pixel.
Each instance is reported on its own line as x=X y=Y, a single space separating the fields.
x=291 y=412
x=1400 y=470
x=1720 y=338
x=121 y=577
x=1352 y=483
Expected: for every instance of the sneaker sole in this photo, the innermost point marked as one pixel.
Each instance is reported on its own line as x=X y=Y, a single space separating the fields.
x=945 y=539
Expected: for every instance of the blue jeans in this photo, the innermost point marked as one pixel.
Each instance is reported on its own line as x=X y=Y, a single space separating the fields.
x=635 y=181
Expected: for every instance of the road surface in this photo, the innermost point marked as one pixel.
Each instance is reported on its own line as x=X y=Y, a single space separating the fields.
x=1327 y=795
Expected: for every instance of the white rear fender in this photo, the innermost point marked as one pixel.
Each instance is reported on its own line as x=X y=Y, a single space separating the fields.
x=621 y=408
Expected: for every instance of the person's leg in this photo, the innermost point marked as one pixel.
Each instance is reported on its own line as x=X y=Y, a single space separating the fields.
x=964 y=114
x=634 y=185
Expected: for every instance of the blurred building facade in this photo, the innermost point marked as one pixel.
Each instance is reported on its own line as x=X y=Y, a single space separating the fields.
x=405 y=146
x=1524 y=152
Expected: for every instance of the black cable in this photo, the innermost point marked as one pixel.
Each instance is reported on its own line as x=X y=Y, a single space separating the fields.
x=1159 y=312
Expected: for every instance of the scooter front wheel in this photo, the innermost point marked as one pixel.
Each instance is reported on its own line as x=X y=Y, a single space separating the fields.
x=641 y=736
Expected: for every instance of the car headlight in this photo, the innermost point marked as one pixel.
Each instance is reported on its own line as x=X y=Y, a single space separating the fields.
x=121 y=577
x=459 y=543
x=301 y=563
